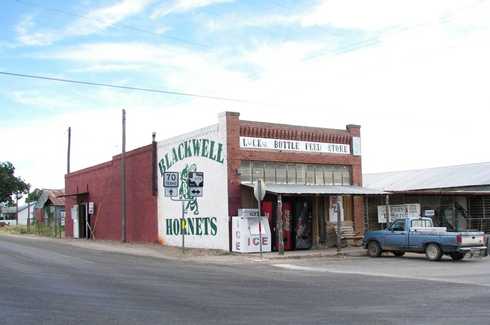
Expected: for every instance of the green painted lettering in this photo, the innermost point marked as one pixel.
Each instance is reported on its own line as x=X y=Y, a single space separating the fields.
x=196 y=146
x=204 y=151
x=214 y=226
x=190 y=226
x=167 y=163
x=161 y=166
x=168 y=222
x=206 y=225
x=187 y=149
x=220 y=158
x=176 y=227
x=199 y=226
x=175 y=156
x=212 y=156
x=180 y=153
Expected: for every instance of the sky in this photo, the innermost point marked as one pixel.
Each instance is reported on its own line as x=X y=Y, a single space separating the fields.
x=413 y=73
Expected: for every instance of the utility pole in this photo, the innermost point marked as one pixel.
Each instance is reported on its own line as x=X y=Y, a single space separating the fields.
x=279 y=226
x=28 y=217
x=123 y=179
x=68 y=152
x=17 y=209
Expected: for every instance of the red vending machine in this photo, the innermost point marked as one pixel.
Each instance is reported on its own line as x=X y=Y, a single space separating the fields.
x=287 y=227
x=266 y=208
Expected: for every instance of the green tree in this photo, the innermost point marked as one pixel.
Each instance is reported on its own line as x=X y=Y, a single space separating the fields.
x=10 y=184
x=34 y=195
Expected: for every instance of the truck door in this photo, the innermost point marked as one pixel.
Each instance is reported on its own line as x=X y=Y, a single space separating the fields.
x=396 y=236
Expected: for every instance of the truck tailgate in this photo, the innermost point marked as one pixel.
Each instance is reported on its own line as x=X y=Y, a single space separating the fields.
x=472 y=239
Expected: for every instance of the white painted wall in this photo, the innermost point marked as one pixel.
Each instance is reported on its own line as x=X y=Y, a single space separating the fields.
x=207 y=223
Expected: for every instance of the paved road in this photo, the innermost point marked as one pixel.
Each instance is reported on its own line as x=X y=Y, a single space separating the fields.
x=48 y=283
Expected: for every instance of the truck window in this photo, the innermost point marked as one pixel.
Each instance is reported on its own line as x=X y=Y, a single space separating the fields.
x=398 y=225
x=421 y=223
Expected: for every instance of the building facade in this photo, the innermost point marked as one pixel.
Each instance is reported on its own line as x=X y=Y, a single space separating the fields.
x=456 y=197
x=308 y=169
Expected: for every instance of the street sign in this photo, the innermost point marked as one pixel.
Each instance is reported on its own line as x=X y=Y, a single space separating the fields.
x=196 y=179
x=171 y=192
x=171 y=179
x=259 y=190
x=195 y=192
x=196 y=183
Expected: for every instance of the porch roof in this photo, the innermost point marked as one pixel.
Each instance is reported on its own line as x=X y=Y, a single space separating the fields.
x=319 y=189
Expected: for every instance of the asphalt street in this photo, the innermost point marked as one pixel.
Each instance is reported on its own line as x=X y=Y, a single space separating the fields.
x=44 y=282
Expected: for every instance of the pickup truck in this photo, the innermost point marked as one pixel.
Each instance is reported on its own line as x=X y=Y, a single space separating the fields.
x=418 y=235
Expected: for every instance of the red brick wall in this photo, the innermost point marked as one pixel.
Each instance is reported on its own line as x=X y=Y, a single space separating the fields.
x=102 y=182
x=237 y=128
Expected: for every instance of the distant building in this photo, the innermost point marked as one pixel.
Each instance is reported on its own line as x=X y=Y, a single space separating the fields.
x=9 y=214
x=457 y=197
x=50 y=206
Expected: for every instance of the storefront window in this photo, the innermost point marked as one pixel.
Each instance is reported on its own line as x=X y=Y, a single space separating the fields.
x=270 y=173
x=319 y=175
x=245 y=171
x=257 y=171
x=328 y=175
x=346 y=178
x=300 y=174
x=310 y=175
x=291 y=174
x=337 y=176
x=281 y=174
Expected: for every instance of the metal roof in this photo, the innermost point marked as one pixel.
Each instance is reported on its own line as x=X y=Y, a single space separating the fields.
x=53 y=195
x=430 y=178
x=318 y=189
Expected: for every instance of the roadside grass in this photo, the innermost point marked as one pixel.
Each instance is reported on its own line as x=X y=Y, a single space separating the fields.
x=35 y=229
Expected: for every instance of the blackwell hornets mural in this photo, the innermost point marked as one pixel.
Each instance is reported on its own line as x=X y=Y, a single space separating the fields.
x=184 y=192
x=205 y=218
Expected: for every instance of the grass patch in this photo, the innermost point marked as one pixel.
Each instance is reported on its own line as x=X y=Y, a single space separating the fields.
x=36 y=229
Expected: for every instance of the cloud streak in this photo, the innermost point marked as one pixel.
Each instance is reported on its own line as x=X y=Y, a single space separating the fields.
x=95 y=21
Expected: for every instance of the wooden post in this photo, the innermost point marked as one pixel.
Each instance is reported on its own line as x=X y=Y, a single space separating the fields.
x=279 y=226
x=315 y=224
x=28 y=217
x=123 y=179
x=16 y=209
x=388 y=210
x=339 y=226
x=68 y=151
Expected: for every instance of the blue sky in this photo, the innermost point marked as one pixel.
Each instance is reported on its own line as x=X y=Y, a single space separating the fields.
x=413 y=73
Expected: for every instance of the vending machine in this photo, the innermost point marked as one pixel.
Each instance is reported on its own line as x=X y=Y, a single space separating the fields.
x=287 y=226
x=267 y=211
x=302 y=218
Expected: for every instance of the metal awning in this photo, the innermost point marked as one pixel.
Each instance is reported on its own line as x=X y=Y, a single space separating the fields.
x=319 y=189
x=73 y=194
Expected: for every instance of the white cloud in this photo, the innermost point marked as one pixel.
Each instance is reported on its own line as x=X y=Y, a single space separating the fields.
x=94 y=21
x=420 y=95
x=27 y=37
x=179 y=6
x=374 y=15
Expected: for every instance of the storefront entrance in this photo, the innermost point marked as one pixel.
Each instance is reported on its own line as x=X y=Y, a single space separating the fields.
x=297 y=217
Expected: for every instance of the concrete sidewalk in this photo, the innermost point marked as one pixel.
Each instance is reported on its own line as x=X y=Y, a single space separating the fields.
x=192 y=254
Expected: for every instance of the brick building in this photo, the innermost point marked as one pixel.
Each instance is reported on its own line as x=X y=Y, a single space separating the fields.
x=308 y=169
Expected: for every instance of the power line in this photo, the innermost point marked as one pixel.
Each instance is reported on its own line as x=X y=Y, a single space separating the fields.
x=119 y=25
x=150 y=90
x=371 y=41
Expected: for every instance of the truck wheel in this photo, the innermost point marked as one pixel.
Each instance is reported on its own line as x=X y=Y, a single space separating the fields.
x=456 y=256
x=433 y=252
x=374 y=250
x=398 y=253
